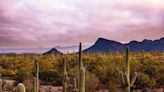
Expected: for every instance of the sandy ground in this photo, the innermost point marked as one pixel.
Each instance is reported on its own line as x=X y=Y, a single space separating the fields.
x=49 y=88
x=8 y=87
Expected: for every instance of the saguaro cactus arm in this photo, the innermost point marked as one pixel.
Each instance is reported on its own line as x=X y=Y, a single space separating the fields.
x=133 y=79
x=75 y=89
x=124 y=78
x=127 y=82
x=20 y=88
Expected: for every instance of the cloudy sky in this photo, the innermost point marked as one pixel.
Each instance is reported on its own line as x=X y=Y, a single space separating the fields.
x=49 y=23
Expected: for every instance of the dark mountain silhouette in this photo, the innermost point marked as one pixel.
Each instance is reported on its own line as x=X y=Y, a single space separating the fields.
x=104 y=45
x=53 y=51
x=147 y=45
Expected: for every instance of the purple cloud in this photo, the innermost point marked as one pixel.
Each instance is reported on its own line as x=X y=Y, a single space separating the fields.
x=49 y=23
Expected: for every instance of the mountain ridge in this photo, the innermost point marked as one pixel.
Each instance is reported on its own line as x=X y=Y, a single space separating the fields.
x=105 y=45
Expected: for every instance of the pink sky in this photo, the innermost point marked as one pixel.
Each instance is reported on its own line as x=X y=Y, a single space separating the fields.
x=49 y=23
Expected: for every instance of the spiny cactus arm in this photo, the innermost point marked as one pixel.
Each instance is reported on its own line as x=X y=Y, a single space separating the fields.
x=118 y=74
x=66 y=77
x=82 y=80
x=75 y=89
x=20 y=88
x=133 y=79
x=127 y=81
x=64 y=66
x=122 y=78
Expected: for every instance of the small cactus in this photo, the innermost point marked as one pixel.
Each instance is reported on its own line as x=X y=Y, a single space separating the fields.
x=124 y=77
x=1 y=83
x=75 y=89
x=20 y=88
x=82 y=80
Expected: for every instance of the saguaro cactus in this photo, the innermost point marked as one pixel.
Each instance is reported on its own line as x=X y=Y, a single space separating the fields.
x=82 y=80
x=75 y=89
x=143 y=57
x=1 y=88
x=80 y=56
x=20 y=88
x=124 y=77
x=34 y=84
x=65 y=76
x=36 y=79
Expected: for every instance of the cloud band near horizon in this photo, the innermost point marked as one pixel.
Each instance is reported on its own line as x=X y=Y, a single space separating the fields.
x=49 y=23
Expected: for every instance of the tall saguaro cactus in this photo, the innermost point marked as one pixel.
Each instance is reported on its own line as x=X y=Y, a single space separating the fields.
x=65 y=76
x=20 y=88
x=36 y=79
x=124 y=77
x=80 y=56
x=81 y=85
x=82 y=80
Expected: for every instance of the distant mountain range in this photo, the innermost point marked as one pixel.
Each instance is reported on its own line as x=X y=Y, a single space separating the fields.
x=103 y=45
x=53 y=51
x=147 y=45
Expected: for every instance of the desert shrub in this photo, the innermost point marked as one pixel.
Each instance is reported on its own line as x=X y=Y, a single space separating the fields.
x=91 y=82
x=160 y=80
x=23 y=74
x=51 y=76
x=7 y=72
x=144 y=81
x=100 y=66
x=112 y=85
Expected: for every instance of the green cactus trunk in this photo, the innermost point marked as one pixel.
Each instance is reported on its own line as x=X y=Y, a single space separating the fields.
x=82 y=80
x=37 y=77
x=1 y=83
x=127 y=70
x=80 y=62
x=124 y=78
x=143 y=57
x=65 y=76
x=80 y=56
x=34 y=85
x=20 y=88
